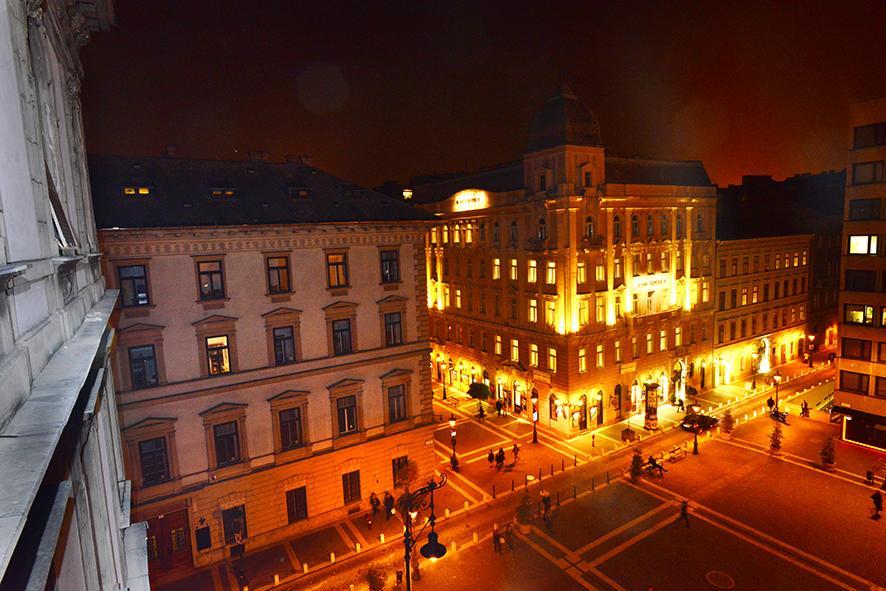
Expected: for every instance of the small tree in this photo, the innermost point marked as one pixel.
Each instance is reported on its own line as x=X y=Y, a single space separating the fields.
x=479 y=390
x=828 y=455
x=728 y=423
x=406 y=474
x=524 y=509
x=775 y=440
x=636 y=465
x=375 y=576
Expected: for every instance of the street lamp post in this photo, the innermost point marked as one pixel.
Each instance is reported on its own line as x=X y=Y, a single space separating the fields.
x=695 y=409
x=454 y=459
x=777 y=379
x=754 y=357
x=534 y=399
x=811 y=345
x=412 y=503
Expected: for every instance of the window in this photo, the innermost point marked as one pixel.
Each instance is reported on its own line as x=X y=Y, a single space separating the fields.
x=600 y=310
x=496 y=268
x=533 y=310
x=858 y=314
x=600 y=272
x=599 y=356
x=650 y=226
x=880 y=387
x=227 y=443
x=542 y=230
x=858 y=280
x=699 y=223
x=552 y=359
x=766 y=292
x=856 y=349
x=550 y=312
x=881 y=352
x=854 y=382
x=497 y=306
x=678 y=336
x=513 y=233
x=869 y=135
x=278 y=274
x=341 y=336
x=721 y=331
x=390 y=266
x=744 y=265
x=337 y=269
x=663 y=226
x=663 y=263
x=587 y=177
x=211 y=279
x=498 y=344
x=496 y=233
x=482 y=303
x=291 y=436
x=803 y=261
x=136 y=191
x=864 y=209
x=234 y=524
x=513 y=308
x=581 y=273
x=648 y=263
x=635 y=227
x=153 y=460
x=733 y=298
x=533 y=355
x=515 y=350
x=513 y=270
x=618 y=351
x=532 y=271
x=346 y=407
x=863 y=244
x=649 y=343
x=394 y=326
x=445 y=234
x=143 y=367
x=218 y=192
x=284 y=345
x=744 y=296
x=617 y=267
x=542 y=182
x=679 y=226
x=616 y=229
x=218 y=355
x=397 y=403
x=662 y=340
x=635 y=349
x=350 y=485
x=865 y=173
x=133 y=285
x=721 y=301
x=589 y=226
x=584 y=314
x=551 y=273
x=296 y=504
x=754 y=294
x=582 y=360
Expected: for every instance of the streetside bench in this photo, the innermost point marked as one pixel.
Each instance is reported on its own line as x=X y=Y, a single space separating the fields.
x=676 y=453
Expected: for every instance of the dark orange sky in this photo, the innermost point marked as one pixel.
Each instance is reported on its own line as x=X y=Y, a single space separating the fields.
x=387 y=90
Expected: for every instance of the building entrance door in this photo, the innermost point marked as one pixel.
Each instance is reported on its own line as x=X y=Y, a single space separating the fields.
x=519 y=403
x=583 y=413
x=169 y=541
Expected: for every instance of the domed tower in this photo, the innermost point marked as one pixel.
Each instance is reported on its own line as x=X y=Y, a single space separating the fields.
x=564 y=146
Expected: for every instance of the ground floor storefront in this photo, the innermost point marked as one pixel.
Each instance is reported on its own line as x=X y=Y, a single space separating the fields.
x=754 y=359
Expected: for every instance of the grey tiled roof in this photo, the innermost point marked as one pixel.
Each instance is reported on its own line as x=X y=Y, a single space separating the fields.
x=263 y=193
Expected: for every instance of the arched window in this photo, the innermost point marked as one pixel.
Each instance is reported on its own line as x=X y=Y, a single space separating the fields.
x=542 y=230
x=699 y=223
x=664 y=225
x=513 y=233
x=616 y=229
x=496 y=233
x=679 y=226
x=589 y=227
x=650 y=226
x=635 y=227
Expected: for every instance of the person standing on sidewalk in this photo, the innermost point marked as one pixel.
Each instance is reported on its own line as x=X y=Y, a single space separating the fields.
x=496 y=540
x=878 y=504
x=490 y=457
x=509 y=540
x=500 y=458
x=684 y=512
x=516 y=451
x=481 y=414
x=389 y=505
x=498 y=407
x=770 y=403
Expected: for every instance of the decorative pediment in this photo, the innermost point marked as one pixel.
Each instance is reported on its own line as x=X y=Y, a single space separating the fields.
x=213 y=319
x=395 y=373
x=139 y=326
x=282 y=311
x=151 y=422
x=289 y=395
x=345 y=383
x=392 y=299
x=224 y=407
x=340 y=306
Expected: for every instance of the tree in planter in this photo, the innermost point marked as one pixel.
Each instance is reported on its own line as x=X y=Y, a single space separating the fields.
x=636 y=465
x=376 y=578
x=775 y=440
x=524 y=511
x=828 y=454
x=728 y=422
x=479 y=390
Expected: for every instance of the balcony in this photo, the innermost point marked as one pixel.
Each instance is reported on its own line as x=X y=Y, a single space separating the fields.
x=536 y=244
x=589 y=242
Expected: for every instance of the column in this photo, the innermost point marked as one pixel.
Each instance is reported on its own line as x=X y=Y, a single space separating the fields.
x=610 y=268
x=687 y=260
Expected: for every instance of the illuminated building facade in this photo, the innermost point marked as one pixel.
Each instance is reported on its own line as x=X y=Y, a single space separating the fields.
x=861 y=365
x=572 y=274
x=272 y=348
x=762 y=305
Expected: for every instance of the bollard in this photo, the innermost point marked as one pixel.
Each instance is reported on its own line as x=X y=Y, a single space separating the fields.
x=357 y=547
x=381 y=538
x=332 y=557
x=573 y=491
x=245 y=587
x=276 y=579
x=466 y=508
x=593 y=483
x=607 y=476
x=476 y=537
x=558 y=498
x=304 y=567
x=351 y=587
x=446 y=512
x=562 y=464
x=552 y=469
x=755 y=414
x=525 y=480
x=452 y=544
x=493 y=491
x=512 y=485
x=539 y=473
x=574 y=459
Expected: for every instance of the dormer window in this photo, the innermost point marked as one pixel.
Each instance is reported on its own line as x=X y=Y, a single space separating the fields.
x=136 y=191
x=222 y=192
x=299 y=192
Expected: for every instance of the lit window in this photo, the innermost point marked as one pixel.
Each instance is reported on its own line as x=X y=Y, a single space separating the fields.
x=582 y=360
x=498 y=344
x=458 y=298
x=496 y=268
x=532 y=271
x=662 y=340
x=513 y=269
x=804 y=257
x=601 y=310
x=649 y=343
x=533 y=310
x=533 y=355
x=678 y=336
x=600 y=354
x=859 y=244
x=136 y=191
x=445 y=234
x=618 y=351
x=550 y=312
x=337 y=269
x=551 y=274
x=552 y=360
x=754 y=295
x=515 y=350
x=581 y=274
x=219 y=192
x=584 y=314
x=600 y=273
x=859 y=314
x=218 y=355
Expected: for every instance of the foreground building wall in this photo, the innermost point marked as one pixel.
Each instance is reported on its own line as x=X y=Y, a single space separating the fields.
x=64 y=500
x=272 y=375
x=861 y=366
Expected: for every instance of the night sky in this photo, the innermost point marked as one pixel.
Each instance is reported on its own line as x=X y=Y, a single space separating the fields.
x=388 y=90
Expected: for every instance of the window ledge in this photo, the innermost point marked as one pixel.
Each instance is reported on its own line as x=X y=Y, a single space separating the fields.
x=341 y=441
x=287 y=455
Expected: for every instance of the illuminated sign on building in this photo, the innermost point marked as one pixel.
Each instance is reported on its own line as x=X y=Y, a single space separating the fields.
x=470 y=199
x=651 y=282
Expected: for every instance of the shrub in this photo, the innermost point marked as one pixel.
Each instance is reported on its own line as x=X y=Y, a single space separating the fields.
x=827 y=452
x=479 y=390
x=775 y=438
x=524 y=509
x=636 y=465
x=375 y=576
x=728 y=422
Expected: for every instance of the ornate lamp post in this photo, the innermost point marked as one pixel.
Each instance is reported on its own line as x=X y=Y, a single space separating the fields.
x=453 y=460
x=534 y=399
x=777 y=379
x=754 y=367
x=811 y=344
x=412 y=503
x=696 y=409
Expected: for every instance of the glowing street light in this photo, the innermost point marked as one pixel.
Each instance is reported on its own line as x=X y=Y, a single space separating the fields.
x=811 y=344
x=412 y=503
x=755 y=356
x=777 y=379
x=453 y=461
x=534 y=399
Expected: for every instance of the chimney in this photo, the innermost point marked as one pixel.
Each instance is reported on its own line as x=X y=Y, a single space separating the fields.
x=258 y=156
x=171 y=150
x=299 y=159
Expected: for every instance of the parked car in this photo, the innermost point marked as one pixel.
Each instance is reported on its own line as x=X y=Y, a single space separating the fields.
x=699 y=422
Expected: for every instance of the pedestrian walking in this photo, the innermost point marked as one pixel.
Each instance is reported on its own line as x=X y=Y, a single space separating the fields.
x=389 y=505
x=498 y=407
x=490 y=457
x=545 y=502
x=770 y=403
x=496 y=541
x=684 y=512
x=516 y=451
x=481 y=414
x=374 y=504
x=500 y=458
x=654 y=465
x=508 y=538
x=878 y=504
x=804 y=409
x=681 y=405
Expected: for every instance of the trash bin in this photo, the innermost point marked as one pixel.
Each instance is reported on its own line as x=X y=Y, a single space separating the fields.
x=628 y=435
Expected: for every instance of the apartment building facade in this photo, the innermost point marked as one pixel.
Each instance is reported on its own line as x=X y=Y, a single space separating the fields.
x=572 y=277
x=861 y=365
x=273 y=348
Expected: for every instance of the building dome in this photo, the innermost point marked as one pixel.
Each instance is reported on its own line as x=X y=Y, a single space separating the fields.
x=563 y=120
